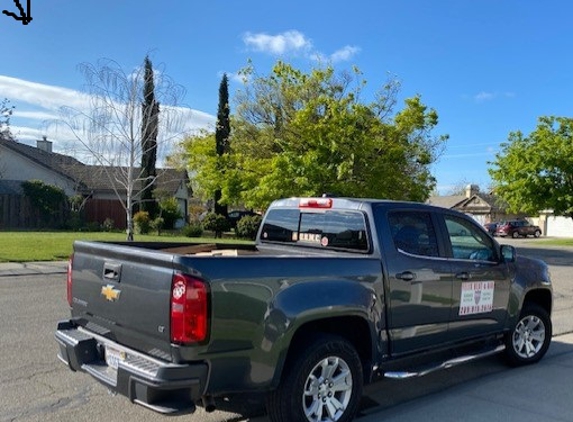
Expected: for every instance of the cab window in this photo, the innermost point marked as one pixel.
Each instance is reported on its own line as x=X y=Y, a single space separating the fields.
x=332 y=229
x=413 y=233
x=468 y=241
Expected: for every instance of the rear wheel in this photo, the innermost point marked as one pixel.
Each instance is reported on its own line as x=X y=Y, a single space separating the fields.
x=322 y=384
x=515 y=234
x=530 y=338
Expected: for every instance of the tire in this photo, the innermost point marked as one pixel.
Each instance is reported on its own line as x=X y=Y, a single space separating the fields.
x=323 y=383
x=537 y=233
x=529 y=340
x=515 y=234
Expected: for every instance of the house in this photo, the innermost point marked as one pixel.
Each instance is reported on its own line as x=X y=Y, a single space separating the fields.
x=20 y=162
x=487 y=208
x=101 y=197
x=484 y=208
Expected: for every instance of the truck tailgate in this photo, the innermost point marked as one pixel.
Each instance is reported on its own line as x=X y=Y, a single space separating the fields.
x=123 y=293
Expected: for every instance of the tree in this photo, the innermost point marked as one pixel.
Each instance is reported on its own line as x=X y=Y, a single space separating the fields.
x=111 y=126
x=149 y=131
x=461 y=187
x=222 y=133
x=535 y=172
x=5 y=114
x=297 y=133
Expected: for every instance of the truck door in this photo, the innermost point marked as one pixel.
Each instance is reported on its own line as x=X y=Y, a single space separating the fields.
x=419 y=282
x=481 y=280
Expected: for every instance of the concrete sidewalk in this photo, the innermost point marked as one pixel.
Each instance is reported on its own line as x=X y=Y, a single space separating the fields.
x=11 y=269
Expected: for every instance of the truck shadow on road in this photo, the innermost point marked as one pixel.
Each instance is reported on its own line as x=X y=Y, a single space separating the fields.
x=491 y=376
x=488 y=376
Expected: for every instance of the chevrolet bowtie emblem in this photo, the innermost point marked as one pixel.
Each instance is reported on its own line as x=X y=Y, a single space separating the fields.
x=110 y=293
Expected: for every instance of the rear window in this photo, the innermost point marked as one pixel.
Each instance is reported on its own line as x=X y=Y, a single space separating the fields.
x=331 y=229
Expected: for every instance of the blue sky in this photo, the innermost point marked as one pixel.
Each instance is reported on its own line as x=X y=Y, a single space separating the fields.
x=488 y=67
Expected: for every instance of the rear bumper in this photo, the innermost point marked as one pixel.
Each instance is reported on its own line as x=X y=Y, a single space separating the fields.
x=161 y=386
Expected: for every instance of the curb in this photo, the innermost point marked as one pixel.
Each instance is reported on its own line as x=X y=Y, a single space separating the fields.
x=14 y=269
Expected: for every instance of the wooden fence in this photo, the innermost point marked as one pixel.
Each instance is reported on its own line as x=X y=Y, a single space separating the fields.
x=17 y=212
x=98 y=210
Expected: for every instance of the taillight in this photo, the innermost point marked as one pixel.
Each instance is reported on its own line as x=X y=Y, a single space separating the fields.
x=189 y=309
x=69 y=281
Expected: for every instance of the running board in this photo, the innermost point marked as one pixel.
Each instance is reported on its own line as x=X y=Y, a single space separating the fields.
x=402 y=375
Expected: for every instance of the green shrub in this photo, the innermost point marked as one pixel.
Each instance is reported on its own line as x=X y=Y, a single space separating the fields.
x=170 y=212
x=216 y=223
x=142 y=222
x=47 y=199
x=247 y=227
x=193 y=230
x=108 y=225
x=92 y=227
x=75 y=221
x=157 y=224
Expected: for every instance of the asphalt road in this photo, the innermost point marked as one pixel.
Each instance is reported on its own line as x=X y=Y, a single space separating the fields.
x=35 y=386
x=560 y=260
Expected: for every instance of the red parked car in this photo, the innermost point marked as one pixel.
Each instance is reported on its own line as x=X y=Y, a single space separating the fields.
x=516 y=228
x=491 y=227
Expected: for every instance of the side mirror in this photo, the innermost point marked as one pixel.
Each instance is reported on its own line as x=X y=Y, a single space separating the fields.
x=508 y=253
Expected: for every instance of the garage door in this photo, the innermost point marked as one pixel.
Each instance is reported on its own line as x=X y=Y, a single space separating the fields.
x=559 y=226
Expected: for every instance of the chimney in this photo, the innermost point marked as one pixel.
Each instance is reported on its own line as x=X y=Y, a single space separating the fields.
x=471 y=190
x=44 y=145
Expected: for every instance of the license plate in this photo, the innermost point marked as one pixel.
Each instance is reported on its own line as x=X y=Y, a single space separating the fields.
x=113 y=357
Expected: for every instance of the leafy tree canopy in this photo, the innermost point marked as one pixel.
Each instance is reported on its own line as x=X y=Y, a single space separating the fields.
x=535 y=172
x=297 y=133
x=46 y=198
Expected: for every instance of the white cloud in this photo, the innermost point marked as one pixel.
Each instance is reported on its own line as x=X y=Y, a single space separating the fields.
x=232 y=76
x=45 y=96
x=489 y=96
x=26 y=134
x=344 y=54
x=34 y=115
x=287 y=42
x=38 y=105
x=295 y=42
x=485 y=96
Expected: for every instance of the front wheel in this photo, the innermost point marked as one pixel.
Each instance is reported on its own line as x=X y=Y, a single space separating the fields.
x=323 y=383
x=530 y=338
x=537 y=233
x=515 y=234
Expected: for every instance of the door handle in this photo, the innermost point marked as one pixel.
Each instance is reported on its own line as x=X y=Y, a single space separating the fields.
x=111 y=271
x=463 y=276
x=406 y=276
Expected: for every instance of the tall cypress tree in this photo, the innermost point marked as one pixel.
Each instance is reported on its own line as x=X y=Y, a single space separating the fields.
x=222 y=134
x=149 y=130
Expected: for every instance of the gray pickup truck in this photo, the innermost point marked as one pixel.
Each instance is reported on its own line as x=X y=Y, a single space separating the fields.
x=335 y=293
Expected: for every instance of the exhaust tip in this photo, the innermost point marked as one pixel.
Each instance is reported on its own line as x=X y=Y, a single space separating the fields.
x=208 y=404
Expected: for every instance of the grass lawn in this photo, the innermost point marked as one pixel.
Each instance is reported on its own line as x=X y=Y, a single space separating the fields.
x=566 y=241
x=56 y=246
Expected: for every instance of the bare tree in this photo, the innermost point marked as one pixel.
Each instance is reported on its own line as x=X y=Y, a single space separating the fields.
x=5 y=113
x=461 y=187
x=110 y=126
